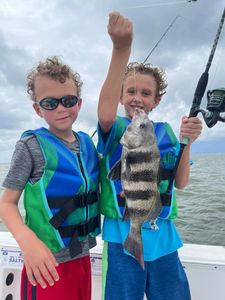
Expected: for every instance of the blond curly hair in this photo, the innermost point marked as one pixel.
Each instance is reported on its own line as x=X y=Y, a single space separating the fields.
x=149 y=69
x=53 y=68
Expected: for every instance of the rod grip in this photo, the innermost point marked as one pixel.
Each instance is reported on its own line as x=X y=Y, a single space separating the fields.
x=199 y=93
x=184 y=141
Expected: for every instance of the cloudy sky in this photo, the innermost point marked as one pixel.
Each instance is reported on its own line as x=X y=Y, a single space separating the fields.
x=31 y=30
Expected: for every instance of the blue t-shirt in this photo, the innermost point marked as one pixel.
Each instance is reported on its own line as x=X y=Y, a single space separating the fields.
x=156 y=243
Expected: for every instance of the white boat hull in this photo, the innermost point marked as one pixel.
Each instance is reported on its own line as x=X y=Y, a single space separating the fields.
x=204 y=265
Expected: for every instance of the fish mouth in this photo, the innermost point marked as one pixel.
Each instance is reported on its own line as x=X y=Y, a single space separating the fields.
x=138 y=112
x=134 y=107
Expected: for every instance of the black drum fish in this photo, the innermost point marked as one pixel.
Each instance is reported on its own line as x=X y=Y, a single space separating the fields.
x=138 y=170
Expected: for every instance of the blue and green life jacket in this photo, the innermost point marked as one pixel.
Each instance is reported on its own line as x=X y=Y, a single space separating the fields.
x=62 y=208
x=111 y=204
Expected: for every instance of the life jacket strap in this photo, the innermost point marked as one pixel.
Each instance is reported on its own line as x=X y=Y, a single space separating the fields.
x=82 y=230
x=70 y=204
x=121 y=201
x=166 y=199
x=166 y=174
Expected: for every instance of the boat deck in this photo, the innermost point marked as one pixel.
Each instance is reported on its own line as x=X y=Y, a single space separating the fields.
x=204 y=265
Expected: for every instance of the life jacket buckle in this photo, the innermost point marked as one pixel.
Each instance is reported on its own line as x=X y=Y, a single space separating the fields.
x=83 y=200
x=166 y=199
x=83 y=229
x=89 y=197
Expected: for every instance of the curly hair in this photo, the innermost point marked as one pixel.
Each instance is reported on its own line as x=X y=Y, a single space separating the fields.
x=53 y=68
x=149 y=69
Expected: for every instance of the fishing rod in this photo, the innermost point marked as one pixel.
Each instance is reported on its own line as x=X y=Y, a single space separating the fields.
x=216 y=101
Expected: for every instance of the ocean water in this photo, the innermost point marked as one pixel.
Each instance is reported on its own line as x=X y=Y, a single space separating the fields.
x=201 y=204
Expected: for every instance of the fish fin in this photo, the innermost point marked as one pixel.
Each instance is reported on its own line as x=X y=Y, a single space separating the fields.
x=126 y=214
x=153 y=225
x=133 y=245
x=115 y=172
x=157 y=209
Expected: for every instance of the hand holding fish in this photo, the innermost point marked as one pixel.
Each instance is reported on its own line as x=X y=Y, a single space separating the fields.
x=120 y=30
x=190 y=128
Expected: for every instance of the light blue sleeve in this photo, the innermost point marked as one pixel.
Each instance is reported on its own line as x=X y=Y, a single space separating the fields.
x=105 y=140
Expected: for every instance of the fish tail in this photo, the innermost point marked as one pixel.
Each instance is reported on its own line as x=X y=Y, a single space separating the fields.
x=134 y=245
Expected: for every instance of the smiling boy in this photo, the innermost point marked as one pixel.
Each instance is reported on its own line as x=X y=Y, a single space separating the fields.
x=58 y=170
x=140 y=86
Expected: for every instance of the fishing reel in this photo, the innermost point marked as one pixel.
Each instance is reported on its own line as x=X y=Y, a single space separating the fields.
x=215 y=106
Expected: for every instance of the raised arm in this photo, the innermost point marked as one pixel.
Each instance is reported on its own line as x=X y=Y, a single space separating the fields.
x=121 y=31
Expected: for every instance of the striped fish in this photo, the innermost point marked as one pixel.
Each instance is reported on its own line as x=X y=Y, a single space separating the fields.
x=139 y=173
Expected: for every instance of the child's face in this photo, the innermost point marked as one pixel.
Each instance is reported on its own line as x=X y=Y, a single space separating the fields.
x=139 y=90
x=61 y=119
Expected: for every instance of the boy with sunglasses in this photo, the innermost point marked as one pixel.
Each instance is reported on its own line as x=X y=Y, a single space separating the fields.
x=57 y=169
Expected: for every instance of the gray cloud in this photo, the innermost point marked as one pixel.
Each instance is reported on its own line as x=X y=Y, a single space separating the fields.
x=12 y=63
x=76 y=31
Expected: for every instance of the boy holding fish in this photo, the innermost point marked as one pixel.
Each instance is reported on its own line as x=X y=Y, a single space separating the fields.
x=127 y=202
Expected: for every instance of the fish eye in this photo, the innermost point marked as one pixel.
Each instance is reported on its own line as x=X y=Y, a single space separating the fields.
x=142 y=125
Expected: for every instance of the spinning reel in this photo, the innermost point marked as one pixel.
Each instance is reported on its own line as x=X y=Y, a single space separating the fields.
x=215 y=106
x=215 y=98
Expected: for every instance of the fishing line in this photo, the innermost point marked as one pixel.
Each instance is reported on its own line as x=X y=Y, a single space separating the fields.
x=217 y=66
x=134 y=74
x=156 y=4
x=93 y=134
x=168 y=28
x=163 y=35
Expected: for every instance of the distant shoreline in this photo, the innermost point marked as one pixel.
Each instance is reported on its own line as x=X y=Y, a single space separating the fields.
x=193 y=153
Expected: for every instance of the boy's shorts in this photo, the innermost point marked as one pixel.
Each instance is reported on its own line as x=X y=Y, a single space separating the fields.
x=74 y=283
x=124 y=279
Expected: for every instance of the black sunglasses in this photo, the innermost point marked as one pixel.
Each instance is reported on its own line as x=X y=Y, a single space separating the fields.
x=52 y=103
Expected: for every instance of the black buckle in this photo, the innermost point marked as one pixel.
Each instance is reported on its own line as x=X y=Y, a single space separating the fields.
x=89 y=196
x=56 y=221
x=121 y=201
x=166 y=199
x=83 y=200
x=83 y=229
